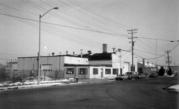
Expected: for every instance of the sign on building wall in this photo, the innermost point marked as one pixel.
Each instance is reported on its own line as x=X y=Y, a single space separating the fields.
x=46 y=67
x=76 y=60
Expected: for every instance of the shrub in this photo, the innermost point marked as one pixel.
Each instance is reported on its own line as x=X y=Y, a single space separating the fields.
x=17 y=79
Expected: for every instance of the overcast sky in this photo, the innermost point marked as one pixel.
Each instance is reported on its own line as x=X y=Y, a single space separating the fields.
x=86 y=24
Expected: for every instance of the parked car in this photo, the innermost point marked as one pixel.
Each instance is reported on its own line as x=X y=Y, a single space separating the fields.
x=142 y=76
x=128 y=75
x=121 y=77
x=132 y=75
x=153 y=75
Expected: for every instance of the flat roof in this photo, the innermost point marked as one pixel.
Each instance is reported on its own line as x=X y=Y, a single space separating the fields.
x=87 y=65
x=50 y=56
x=100 y=56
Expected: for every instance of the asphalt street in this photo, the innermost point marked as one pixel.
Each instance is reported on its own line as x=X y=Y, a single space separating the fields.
x=127 y=94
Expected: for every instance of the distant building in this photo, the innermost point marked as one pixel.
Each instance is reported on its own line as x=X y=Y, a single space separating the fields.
x=52 y=66
x=11 y=68
x=119 y=62
x=98 y=65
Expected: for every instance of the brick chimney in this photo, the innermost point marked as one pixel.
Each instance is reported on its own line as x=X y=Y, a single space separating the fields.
x=53 y=54
x=104 y=48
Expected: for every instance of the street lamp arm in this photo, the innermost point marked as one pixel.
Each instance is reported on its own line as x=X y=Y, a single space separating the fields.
x=48 y=11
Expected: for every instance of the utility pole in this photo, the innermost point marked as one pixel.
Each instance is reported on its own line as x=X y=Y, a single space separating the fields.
x=156 y=53
x=132 y=32
x=168 y=58
x=39 y=44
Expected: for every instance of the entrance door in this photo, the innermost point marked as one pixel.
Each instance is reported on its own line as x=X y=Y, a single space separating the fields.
x=125 y=67
x=102 y=72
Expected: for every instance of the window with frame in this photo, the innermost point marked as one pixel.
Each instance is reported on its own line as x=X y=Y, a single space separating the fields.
x=95 y=71
x=46 y=67
x=82 y=71
x=70 y=71
x=107 y=71
x=115 y=71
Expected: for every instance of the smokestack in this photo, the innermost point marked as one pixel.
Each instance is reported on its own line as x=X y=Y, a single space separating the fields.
x=104 y=48
x=89 y=52
x=53 y=54
x=66 y=52
x=81 y=54
x=114 y=50
x=73 y=53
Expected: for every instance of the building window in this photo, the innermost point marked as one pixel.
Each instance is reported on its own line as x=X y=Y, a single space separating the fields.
x=46 y=67
x=95 y=71
x=115 y=71
x=82 y=71
x=70 y=71
x=107 y=71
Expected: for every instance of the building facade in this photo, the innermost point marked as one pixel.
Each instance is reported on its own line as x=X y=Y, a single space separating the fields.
x=50 y=66
x=98 y=65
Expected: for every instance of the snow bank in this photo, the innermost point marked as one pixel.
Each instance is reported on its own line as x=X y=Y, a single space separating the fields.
x=174 y=87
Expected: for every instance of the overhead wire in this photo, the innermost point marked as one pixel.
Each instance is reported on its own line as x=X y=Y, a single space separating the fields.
x=175 y=47
x=100 y=18
x=73 y=39
x=64 y=15
x=145 y=51
x=91 y=30
x=74 y=7
x=66 y=26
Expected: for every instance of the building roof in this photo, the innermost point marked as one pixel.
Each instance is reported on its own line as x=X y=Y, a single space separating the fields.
x=100 y=56
x=50 y=56
x=79 y=65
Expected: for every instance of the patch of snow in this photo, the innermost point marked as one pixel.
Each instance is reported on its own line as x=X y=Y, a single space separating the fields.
x=175 y=87
x=1 y=85
x=65 y=80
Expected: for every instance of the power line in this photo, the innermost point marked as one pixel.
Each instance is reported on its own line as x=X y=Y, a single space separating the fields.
x=145 y=51
x=156 y=57
x=66 y=26
x=99 y=26
x=69 y=18
x=175 y=46
x=74 y=39
x=148 y=38
x=95 y=15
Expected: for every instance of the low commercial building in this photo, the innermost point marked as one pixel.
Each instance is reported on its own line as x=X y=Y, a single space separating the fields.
x=98 y=65
x=11 y=68
x=51 y=66
x=119 y=61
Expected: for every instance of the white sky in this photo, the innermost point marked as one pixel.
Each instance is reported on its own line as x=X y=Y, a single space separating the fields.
x=153 y=18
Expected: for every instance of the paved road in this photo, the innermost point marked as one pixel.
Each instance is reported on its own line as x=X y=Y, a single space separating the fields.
x=128 y=94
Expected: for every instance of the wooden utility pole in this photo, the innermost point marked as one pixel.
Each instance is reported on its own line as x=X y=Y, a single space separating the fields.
x=168 y=58
x=132 y=31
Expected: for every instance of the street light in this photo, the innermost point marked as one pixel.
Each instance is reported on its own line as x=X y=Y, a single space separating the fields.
x=174 y=41
x=38 y=59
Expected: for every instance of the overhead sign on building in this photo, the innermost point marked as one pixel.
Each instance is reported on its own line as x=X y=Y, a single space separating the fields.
x=76 y=60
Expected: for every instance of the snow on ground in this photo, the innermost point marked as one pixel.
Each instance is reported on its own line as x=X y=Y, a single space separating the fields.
x=33 y=84
x=174 y=87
